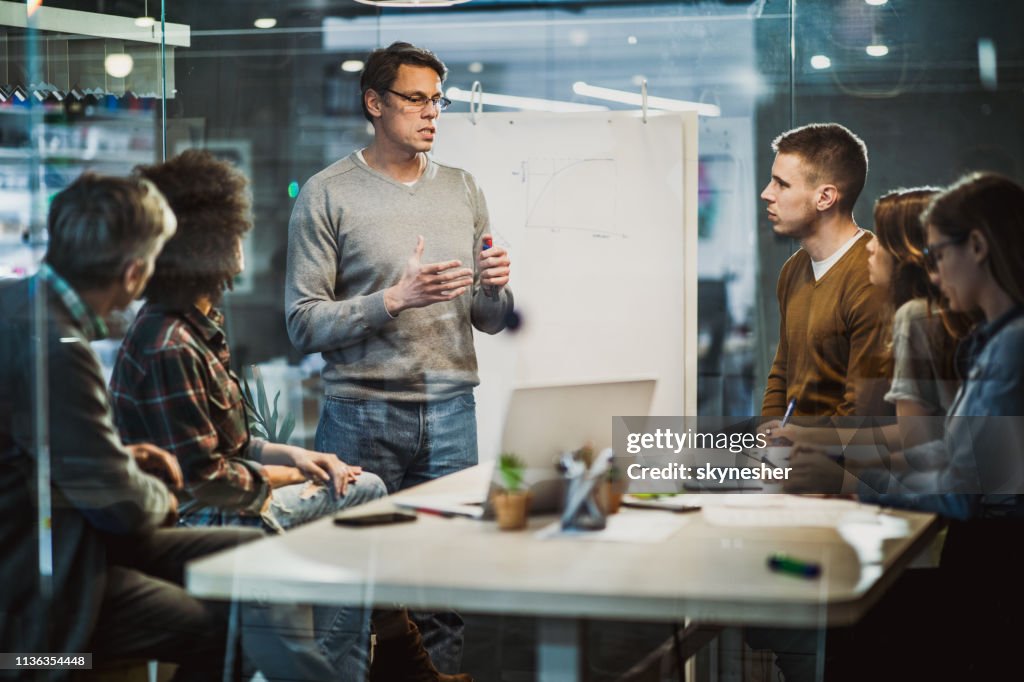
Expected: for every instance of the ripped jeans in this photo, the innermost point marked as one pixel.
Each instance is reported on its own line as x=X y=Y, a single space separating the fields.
x=342 y=632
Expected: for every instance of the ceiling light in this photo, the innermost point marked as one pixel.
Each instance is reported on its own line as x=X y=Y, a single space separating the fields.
x=987 y=62
x=145 y=21
x=578 y=37
x=586 y=90
x=412 y=3
x=631 y=40
x=475 y=67
x=514 y=102
x=820 y=61
x=118 y=64
x=877 y=50
x=876 y=2
x=265 y=22
x=352 y=65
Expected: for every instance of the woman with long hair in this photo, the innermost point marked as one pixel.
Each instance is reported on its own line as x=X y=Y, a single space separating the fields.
x=924 y=332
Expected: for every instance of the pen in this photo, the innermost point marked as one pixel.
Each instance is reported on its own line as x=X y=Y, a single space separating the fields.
x=432 y=512
x=443 y=513
x=782 y=563
x=789 y=411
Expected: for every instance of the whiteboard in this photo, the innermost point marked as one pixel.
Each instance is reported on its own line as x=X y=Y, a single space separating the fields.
x=599 y=213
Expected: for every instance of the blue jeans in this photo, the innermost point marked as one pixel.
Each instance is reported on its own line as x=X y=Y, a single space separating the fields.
x=408 y=443
x=342 y=634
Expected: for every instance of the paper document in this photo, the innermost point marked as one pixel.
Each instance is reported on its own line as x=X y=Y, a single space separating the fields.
x=787 y=510
x=639 y=527
x=466 y=505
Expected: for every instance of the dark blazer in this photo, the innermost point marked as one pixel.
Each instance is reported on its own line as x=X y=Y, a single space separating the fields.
x=95 y=487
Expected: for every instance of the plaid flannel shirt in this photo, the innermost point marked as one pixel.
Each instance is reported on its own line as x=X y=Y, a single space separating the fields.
x=173 y=386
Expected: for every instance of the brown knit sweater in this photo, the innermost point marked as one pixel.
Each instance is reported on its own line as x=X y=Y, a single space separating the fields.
x=831 y=355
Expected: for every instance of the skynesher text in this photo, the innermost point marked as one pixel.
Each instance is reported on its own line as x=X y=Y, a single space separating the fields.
x=706 y=472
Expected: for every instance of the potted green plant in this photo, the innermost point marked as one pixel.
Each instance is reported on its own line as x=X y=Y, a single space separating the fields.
x=264 y=420
x=512 y=504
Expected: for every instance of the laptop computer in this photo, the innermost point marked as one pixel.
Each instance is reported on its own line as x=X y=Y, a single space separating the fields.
x=541 y=423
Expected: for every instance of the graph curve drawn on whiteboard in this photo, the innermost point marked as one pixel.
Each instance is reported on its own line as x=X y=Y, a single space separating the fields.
x=573 y=194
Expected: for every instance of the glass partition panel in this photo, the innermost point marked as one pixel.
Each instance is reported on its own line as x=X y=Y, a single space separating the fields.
x=934 y=87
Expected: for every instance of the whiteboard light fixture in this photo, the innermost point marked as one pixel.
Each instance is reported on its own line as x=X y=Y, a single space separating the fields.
x=526 y=103
x=663 y=103
x=412 y=3
x=145 y=21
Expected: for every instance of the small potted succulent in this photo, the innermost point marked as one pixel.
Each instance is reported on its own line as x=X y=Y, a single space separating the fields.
x=512 y=504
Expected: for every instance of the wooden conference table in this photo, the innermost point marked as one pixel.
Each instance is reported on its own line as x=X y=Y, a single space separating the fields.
x=712 y=568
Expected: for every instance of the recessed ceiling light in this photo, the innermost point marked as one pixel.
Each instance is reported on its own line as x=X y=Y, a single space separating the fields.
x=820 y=61
x=265 y=22
x=352 y=65
x=877 y=50
x=578 y=37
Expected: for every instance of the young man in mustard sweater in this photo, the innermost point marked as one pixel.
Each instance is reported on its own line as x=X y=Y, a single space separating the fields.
x=831 y=338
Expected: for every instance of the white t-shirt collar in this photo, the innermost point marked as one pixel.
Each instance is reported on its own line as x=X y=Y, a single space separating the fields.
x=820 y=267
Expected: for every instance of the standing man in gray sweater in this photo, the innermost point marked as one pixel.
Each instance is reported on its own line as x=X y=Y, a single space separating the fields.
x=387 y=276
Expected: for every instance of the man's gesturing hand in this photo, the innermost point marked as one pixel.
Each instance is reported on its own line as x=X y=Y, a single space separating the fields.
x=423 y=285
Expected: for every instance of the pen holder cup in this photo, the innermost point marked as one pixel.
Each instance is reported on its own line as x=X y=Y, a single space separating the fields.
x=609 y=496
x=512 y=509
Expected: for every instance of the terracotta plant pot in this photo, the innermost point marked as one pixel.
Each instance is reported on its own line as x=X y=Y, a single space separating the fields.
x=512 y=509
x=609 y=496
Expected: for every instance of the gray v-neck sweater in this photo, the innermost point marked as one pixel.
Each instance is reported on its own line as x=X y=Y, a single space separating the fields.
x=351 y=232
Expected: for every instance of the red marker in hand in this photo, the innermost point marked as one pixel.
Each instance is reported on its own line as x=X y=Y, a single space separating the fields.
x=489 y=291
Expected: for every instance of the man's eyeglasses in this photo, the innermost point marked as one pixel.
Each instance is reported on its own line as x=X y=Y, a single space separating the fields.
x=419 y=102
x=933 y=252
